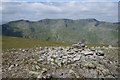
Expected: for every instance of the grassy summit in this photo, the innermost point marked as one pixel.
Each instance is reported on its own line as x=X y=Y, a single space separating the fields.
x=15 y=42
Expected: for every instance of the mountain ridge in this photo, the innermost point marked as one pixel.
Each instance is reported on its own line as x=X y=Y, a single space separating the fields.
x=64 y=30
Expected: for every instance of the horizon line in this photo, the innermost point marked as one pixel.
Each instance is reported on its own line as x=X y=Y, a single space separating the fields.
x=59 y=19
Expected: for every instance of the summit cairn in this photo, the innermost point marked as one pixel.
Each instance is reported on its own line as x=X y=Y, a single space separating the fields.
x=79 y=45
x=77 y=61
x=83 y=49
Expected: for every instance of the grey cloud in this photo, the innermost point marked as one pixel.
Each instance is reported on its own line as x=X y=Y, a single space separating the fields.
x=73 y=10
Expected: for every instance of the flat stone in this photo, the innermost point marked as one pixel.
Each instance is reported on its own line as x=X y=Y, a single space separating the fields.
x=87 y=53
x=33 y=72
x=42 y=52
x=64 y=57
x=70 y=53
x=40 y=59
x=76 y=59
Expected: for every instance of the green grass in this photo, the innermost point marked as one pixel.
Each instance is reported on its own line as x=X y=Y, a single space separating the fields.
x=15 y=42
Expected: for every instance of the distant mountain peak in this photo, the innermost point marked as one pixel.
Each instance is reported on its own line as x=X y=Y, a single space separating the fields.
x=92 y=19
x=47 y=19
x=21 y=20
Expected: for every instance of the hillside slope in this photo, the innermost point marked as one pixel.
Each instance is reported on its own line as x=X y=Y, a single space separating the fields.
x=90 y=31
x=15 y=42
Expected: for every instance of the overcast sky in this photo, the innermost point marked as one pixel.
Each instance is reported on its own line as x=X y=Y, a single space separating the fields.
x=60 y=0
x=33 y=10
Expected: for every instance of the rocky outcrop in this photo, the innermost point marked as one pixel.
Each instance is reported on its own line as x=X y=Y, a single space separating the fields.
x=78 y=61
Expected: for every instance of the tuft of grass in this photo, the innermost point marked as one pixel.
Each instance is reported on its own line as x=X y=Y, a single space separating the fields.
x=16 y=42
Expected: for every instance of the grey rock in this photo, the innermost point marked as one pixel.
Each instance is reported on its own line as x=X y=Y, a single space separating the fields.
x=89 y=65
x=100 y=53
x=42 y=52
x=35 y=62
x=70 y=53
x=64 y=57
x=40 y=60
x=71 y=71
x=33 y=67
x=39 y=76
x=44 y=69
x=37 y=67
x=48 y=75
x=33 y=72
x=16 y=65
x=87 y=53
x=10 y=67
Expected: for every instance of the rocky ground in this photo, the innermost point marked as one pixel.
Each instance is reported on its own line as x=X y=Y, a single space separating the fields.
x=78 y=61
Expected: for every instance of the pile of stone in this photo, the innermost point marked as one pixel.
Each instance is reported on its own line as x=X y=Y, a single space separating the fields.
x=64 y=56
x=78 y=61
